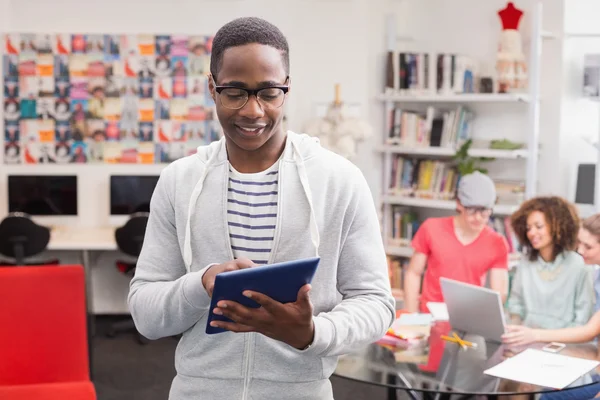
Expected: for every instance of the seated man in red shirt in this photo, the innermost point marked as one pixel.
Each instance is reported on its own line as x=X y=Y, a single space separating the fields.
x=461 y=247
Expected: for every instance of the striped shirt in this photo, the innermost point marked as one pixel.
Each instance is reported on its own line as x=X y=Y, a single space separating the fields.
x=252 y=213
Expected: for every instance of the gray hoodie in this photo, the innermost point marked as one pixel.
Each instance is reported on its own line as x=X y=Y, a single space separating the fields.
x=325 y=207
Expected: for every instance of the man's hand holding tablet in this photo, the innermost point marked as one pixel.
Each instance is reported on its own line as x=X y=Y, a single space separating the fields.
x=290 y=322
x=208 y=279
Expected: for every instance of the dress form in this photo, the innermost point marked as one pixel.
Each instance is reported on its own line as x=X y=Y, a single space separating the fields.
x=510 y=16
x=510 y=66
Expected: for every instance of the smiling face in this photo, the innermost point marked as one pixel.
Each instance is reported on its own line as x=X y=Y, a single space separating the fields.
x=538 y=231
x=589 y=247
x=253 y=127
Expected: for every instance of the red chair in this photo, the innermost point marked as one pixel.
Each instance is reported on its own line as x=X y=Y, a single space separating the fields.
x=43 y=339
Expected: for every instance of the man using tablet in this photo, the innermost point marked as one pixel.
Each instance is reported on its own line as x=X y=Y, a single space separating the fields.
x=259 y=196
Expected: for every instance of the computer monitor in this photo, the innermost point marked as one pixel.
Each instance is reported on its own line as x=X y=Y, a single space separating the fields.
x=43 y=195
x=131 y=193
x=586 y=184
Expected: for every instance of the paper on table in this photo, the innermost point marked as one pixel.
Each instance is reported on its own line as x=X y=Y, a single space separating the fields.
x=415 y=319
x=410 y=331
x=439 y=311
x=542 y=368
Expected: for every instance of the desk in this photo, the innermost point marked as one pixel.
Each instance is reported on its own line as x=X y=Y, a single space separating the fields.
x=82 y=239
x=446 y=370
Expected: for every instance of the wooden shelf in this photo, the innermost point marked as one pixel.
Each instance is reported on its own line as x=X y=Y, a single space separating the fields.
x=399 y=251
x=501 y=209
x=449 y=152
x=456 y=98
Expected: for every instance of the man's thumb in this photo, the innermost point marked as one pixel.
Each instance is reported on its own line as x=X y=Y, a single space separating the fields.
x=304 y=294
x=244 y=262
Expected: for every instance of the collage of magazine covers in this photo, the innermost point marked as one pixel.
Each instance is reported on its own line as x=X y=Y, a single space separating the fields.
x=76 y=98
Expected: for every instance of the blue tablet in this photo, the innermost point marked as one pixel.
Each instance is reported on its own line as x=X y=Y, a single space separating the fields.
x=280 y=281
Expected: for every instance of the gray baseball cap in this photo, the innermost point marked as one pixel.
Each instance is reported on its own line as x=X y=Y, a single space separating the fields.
x=476 y=190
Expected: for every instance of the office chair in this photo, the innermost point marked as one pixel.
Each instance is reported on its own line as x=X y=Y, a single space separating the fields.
x=130 y=238
x=20 y=238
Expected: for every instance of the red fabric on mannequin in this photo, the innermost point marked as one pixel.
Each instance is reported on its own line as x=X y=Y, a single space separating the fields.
x=510 y=16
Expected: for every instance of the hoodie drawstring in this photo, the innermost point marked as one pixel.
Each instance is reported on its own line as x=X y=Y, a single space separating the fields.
x=314 y=228
x=187 y=242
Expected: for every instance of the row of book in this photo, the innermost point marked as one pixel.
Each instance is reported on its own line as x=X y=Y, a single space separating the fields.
x=434 y=128
x=419 y=72
x=423 y=178
x=395 y=273
x=434 y=179
x=403 y=227
x=405 y=224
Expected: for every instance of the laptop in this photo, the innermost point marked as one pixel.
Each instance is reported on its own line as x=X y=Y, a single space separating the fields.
x=474 y=310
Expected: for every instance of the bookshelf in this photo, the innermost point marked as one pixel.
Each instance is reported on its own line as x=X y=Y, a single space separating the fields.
x=463 y=98
x=407 y=251
x=421 y=100
x=449 y=152
x=500 y=209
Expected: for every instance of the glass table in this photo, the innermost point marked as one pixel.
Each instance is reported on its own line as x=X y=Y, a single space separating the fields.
x=438 y=368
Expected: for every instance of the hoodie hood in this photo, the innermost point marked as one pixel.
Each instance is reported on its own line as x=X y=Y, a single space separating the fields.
x=298 y=148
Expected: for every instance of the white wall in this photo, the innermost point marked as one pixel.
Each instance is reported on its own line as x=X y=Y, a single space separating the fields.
x=580 y=117
x=328 y=43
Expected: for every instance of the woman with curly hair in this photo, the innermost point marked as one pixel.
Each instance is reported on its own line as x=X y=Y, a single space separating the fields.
x=516 y=335
x=552 y=288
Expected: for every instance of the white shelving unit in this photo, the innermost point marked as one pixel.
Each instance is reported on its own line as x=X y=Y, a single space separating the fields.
x=407 y=251
x=449 y=152
x=526 y=103
x=501 y=209
x=465 y=98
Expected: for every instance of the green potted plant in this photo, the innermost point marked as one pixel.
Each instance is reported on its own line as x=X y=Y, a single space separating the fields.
x=465 y=164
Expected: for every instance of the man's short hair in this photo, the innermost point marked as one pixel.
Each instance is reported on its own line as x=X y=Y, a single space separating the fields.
x=248 y=30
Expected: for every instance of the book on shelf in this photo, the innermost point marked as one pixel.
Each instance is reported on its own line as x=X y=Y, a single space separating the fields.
x=422 y=178
x=396 y=274
x=432 y=128
x=502 y=226
x=509 y=191
x=403 y=227
x=427 y=73
x=437 y=180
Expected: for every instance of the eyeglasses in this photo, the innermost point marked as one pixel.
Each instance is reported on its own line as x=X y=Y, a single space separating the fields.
x=484 y=212
x=234 y=97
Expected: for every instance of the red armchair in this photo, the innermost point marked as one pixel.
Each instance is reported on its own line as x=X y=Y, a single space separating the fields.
x=43 y=339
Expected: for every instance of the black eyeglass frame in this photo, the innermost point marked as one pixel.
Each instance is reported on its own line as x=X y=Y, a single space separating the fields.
x=285 y=88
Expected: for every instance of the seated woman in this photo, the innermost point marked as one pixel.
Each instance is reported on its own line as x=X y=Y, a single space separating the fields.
x=589 y=248
x=552 y=288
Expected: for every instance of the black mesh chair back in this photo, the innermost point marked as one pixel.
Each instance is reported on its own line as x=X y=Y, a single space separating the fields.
x=130 y=236
x=20 y=237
